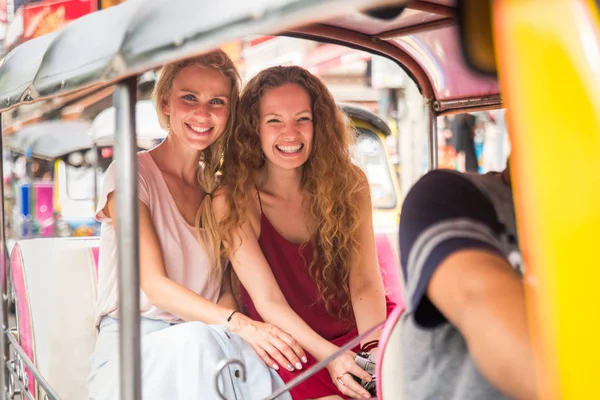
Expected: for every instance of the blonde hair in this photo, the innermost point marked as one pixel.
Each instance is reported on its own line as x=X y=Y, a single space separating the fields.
x=209 y=169
x=329 y=177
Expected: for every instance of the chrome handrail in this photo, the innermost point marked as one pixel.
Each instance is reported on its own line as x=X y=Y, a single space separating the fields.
x=300 y=378
x=323 y=363
x=432 y=138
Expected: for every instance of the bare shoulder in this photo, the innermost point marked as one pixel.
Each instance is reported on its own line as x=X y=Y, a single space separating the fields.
x=221 y=193
x=219 y=201
x=363 y=193
x=245 y=212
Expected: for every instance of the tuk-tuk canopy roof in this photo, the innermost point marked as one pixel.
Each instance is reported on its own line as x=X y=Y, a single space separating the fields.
x=135 y=36
x=425 y=33
x=51 y=139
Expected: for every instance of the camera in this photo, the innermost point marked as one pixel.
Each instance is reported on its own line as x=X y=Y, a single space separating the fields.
x=364 y=361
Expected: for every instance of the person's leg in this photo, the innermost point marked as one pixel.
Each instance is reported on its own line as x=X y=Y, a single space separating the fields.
x=103 y=382
x=179 y=362
x=261 y=381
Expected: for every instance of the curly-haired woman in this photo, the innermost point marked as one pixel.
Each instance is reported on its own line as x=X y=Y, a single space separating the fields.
x=295 y=220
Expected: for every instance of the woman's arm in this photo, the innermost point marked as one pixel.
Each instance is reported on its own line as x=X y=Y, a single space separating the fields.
x=161 y=291
x=272 y=344
x=255 y=274
x=366 y=287
x=478 y=288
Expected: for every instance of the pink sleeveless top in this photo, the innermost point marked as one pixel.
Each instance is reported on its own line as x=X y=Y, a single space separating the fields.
x=186 y=261
x=289 y=263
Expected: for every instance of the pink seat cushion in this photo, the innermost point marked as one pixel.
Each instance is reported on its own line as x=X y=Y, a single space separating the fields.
x=54 y=280
x=96 y=255
x=18 y=281
x=388 y=267
x=391 y=280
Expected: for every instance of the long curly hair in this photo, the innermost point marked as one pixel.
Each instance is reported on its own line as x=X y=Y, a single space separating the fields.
x=211 y=159
x=329 y=178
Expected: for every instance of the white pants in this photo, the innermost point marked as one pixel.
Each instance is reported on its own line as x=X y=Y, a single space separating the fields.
x=179 y=363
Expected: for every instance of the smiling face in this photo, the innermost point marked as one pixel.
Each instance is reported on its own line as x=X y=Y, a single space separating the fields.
x=286 y=126
x=198 y=106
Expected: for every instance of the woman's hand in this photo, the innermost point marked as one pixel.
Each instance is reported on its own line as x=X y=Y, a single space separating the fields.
x=272 y=344
x=342 y=370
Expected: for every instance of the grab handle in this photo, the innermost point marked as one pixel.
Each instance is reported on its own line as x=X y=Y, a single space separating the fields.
x=220 y=366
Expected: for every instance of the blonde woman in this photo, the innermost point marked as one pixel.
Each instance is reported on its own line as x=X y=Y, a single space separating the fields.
x=185 y=296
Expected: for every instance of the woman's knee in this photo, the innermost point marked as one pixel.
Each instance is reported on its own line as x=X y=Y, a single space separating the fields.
x=195 y=335
x=193 y=329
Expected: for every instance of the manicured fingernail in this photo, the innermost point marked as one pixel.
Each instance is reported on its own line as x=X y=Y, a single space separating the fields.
x=304 y=360
x=276 y=367
x=298 y=365
x=367 y=396
x=289 y=367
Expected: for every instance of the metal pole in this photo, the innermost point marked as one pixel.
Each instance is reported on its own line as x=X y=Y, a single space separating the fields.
x=4 y=306
x=432 y=142
x=124 y=99
x=95 y=167
x=95 y=151
x=29 y=180
x=444 y=105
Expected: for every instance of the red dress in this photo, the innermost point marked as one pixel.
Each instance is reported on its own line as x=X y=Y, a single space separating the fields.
x=289 y=263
